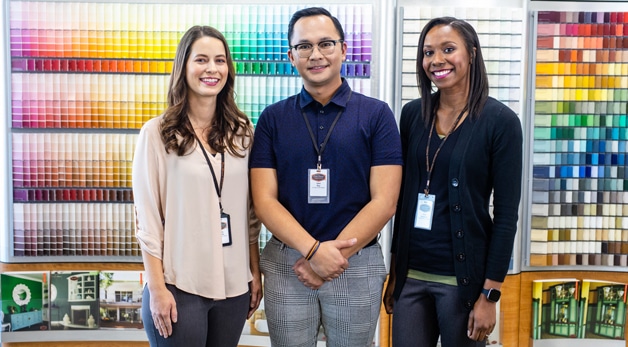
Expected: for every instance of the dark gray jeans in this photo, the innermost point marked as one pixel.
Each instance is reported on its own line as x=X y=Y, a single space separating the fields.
x=201 y=322
x=427 y=310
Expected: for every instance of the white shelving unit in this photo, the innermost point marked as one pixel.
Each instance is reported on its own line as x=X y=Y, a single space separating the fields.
x=82 y=287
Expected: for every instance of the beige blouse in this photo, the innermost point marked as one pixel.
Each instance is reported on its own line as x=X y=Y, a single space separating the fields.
x=178 y=216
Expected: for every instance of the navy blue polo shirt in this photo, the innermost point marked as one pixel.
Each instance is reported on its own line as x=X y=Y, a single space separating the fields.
x=365 y=135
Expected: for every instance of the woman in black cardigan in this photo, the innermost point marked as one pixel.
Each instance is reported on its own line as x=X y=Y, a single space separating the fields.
x=449 y=255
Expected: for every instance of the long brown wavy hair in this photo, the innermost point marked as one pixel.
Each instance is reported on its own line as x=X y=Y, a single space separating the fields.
x=229 y=123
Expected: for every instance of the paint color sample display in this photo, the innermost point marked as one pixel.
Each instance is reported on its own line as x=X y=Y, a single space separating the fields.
x=500 y=32
x=85 y=76
x=111 y=61
x=74 y=229
x=580 y=182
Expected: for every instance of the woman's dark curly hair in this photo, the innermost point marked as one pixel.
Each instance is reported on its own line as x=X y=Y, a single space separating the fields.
x=229 y=123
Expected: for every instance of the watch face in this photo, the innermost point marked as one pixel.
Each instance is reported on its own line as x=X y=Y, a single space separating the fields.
x=493 y=295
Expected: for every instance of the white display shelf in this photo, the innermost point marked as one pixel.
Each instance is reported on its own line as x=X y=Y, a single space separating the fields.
x=74 y=335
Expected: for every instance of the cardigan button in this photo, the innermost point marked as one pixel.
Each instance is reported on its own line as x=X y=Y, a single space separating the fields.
x=464 y=281
x=459 y=234
x=454 y=182
x=469 y=304
x=457 y=208
x=461 y=257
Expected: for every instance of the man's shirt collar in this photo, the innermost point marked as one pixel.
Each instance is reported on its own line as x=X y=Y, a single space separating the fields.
x=339 y=98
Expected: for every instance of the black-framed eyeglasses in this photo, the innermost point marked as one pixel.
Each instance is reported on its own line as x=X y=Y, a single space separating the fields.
x=326 y=47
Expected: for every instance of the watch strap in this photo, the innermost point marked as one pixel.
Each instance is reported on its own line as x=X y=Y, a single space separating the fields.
x=492 y=294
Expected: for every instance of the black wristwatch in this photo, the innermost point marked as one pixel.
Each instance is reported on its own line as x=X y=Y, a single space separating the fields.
x=492 y=294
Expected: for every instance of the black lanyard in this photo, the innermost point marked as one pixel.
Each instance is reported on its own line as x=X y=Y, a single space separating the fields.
x=222 y=172
x=429 y=167
x=319 y=151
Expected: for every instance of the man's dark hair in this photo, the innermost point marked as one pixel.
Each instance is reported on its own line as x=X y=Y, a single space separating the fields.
x=313 y=11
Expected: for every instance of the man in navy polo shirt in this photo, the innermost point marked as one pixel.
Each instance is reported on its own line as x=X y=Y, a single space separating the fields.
x=325 y=177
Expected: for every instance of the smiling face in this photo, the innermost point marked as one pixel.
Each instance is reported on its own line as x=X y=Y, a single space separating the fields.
x=207 y=68
x=446 y=60
x=318 y=70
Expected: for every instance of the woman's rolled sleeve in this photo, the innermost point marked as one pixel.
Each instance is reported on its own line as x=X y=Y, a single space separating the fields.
x=146 y=190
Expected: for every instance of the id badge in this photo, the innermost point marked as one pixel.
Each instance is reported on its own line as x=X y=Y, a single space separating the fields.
x=318 y=181
x=225 y=227
x=424 y=211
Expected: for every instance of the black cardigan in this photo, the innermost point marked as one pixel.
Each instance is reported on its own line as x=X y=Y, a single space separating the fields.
x=486 y=158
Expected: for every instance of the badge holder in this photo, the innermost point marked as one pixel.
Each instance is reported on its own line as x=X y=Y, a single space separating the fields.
x=318 y=192
x=225 y=228
x=424 y=211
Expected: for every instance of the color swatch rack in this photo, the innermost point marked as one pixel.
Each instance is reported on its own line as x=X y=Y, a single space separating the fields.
x=579 y=207
x=58 y=161
x=85 y=76
x=94 y=63
x=74 y=229
x=500 y=32
x=151 y=31
x=93 y=101
x=124 y=101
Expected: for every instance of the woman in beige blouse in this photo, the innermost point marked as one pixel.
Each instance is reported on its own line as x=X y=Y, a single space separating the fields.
x=195 y=226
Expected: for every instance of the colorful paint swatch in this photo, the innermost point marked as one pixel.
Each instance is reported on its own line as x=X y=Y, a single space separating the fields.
x=72 y=160
x=579 y=202
x=74 y=229
x=103 y=101
x=82 y=44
